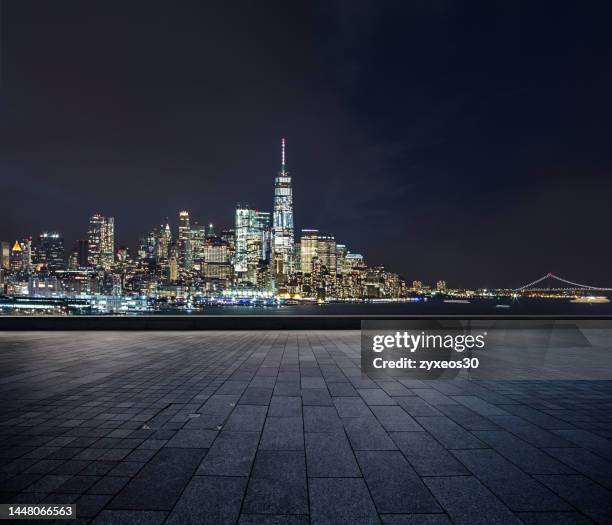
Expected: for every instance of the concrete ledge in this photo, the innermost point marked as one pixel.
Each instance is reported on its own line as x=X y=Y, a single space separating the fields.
x=234 y=322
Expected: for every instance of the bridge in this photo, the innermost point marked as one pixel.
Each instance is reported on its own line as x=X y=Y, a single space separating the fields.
x=569 y=285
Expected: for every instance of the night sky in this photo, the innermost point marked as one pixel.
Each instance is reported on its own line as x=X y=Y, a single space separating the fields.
x=466 y=142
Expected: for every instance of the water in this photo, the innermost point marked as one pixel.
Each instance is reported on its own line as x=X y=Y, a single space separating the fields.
x=432 y=307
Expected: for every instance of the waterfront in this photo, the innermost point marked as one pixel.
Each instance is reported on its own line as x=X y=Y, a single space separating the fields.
x=432 y=307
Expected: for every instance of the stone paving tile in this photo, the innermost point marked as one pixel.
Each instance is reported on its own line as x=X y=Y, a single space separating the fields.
x=247 y=418
x=448 y=433
x=553 y=518
x=286 y=519
x=282 y=433
x=516 y=489
x=130 y=517
x=469 y=502
x=351 y=407
x=192 y=438
x=527 y=457
x=231 y=454
x=277 y=484
x=415 y=519
x=426 y=455
x=394 y=485
x=330 y=455
x=366 y=433
x=209 y=500
x=169 y=471
x=529 y=432
x=588 y=497
x=395 y=418
x=585 y=462
x=322 y=419
x=282 y=428
x=416 y=406
x=282 y=406
x=467 y=418
x=376 y=396
x=341 y=500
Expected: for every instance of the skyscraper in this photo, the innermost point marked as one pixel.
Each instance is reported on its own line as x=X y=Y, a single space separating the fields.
x=5 y=255
x=197 y=240
x=282 y=228
x=82 y=248
x=308 y=249
x=184 y=243
x=108 y=244
x=16 y=257
x=101 y=241
x=49 y=251
x=245 y=219
x=326 y=252
x=252 y=241
x=162 y=245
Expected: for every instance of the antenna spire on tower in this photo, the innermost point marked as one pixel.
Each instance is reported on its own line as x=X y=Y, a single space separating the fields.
x=283 y=155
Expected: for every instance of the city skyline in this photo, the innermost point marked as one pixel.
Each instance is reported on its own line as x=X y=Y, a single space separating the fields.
x=280 y=213
x=469 y=141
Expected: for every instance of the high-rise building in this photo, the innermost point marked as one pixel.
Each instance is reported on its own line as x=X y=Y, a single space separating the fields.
x=441 y=286
x=252 y=242
x=173 y=266
x=16 y=257
x=49 y=251
x=5 y=255
x=341 y=253
x=162 y=244
x=216 y=260
x=245 y=221
x=282 y=227
x=326 y=252
x=353 y=261
x=262 y=225
x=308 y=249
x=108 y=244
x=184 y=243
x=197 y=240
x=82 y=246
x=101 y=241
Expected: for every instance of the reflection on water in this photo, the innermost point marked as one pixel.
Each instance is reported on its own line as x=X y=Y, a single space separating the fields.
x=432 y=307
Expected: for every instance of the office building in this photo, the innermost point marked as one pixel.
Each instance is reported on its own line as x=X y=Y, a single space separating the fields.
x=282 y=226
x=5 y=255
x=101 y=241
x=308 y=249
x=49 y=251
x=184 y=244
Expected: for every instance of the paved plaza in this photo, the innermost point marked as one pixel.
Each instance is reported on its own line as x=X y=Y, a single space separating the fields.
x=280 y=427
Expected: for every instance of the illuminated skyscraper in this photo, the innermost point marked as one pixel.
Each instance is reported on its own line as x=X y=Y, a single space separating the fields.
x=308 y=249
x=197 y=239
x=245 y=222
x=49 y=251
x=184 y=243
x=252 y=242
x=262 y=224
x=282 y=227
x=326 y=252
x=16 y=257
x=5 y=255
x=101 y=241
x=162 y=244
x=108 y=244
